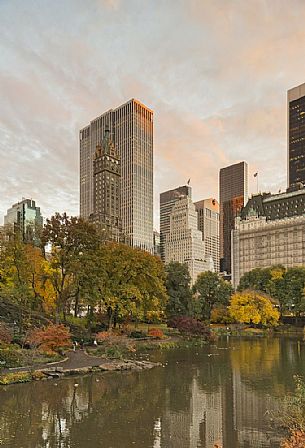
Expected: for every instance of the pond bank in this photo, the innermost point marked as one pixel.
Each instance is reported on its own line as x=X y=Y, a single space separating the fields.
x=25 y=375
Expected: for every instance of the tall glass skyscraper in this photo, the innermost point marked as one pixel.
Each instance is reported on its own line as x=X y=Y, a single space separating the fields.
x=131 y=129
x=296 y=135
x=233 y=194
x=25 y=218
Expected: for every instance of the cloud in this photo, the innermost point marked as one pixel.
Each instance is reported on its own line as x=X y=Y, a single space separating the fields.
x=215 y=74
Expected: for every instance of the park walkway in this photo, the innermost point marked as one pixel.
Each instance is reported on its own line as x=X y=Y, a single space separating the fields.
x=75 y=360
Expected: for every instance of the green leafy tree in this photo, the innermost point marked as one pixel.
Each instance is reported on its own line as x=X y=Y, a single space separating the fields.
x=74 y=242
x=178 y=282
x=293 y=289
x=133 y=285
x=211 y=290
x=257 y=279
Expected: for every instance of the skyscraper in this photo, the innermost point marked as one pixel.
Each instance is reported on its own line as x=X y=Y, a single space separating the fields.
x=107 y=188
x=296 y=134
x=25 y=218
x=208 y=224
x=233 y=194
x=183 y=242
x=167 y=202
x=131 y=130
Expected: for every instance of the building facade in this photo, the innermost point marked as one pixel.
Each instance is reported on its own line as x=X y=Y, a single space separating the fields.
x=167 y=202
x=233 y=194
x=277 y=206
x=258 y=243
x=131 y=130
x=208 y=224
x=184 y=241
x=25 y=218
x=107 y=188
x=296 y=134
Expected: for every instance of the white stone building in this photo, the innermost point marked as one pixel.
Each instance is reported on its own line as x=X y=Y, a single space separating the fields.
x=184 y=241
x=258 y=243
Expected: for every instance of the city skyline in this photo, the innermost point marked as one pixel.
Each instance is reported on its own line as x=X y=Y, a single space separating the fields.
x=52 y=87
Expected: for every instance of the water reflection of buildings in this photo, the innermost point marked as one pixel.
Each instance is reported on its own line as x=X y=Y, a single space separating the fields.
x=200 y=425
x=234 y=415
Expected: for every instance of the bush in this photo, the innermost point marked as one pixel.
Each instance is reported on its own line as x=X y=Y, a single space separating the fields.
x=10 y=356
x=50 y=339
x=220 y=315
x=115 y=352
x=292 y=416
x=189 y=326
x=18 y=377
x=296 y=440
x=38 y=375
x=103 y=336
x=155 y=333
x=6 y=334
x=137 y=334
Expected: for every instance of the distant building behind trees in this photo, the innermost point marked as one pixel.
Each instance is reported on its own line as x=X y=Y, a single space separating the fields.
x=26 y=219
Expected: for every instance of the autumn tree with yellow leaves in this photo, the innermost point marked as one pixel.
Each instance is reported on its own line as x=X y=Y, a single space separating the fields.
x=252 y=307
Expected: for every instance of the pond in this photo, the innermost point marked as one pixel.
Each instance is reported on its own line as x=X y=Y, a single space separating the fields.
x=222 y=393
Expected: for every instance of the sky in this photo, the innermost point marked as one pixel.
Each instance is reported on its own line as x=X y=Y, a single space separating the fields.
x=215 y=72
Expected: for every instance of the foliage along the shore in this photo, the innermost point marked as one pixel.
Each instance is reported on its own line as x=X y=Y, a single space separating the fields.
x=292 y=416
x=286 y=285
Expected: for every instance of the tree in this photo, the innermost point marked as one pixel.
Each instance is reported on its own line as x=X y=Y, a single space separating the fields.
x=73 y=242
x=293 y=287
x=257 y=280
x=211 y=290
x=53 y=338
x=178 y=282
x=253 y=307
x=133 y=284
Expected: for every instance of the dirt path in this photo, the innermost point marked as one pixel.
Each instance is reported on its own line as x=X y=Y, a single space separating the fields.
x=76 y=360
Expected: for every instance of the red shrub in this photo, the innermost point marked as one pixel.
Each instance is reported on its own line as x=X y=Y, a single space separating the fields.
x=155 y=333
x=104 y=335
x=189 y=326
x=297 y=440
x=53 y=338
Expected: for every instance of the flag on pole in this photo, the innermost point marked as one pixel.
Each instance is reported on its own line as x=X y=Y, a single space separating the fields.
x=255 y=174
x=188 y=182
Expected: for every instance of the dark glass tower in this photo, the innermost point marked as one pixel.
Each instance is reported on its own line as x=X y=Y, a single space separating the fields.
x=296 y=135
x=233 y=194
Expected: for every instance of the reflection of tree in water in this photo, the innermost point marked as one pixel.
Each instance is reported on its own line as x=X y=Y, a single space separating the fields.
x=268 y=364
x=114 y=407
x=186 y=399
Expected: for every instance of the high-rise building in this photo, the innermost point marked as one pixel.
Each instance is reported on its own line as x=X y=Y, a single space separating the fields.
x=107 y=188
x=167 y=202
x=184 y=241
x=233 y=194
x=208 y=224
x=296 y=134
x=131 y=130
x=25 y=218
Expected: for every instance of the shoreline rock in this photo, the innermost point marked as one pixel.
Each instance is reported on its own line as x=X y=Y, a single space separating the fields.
x=60 y=372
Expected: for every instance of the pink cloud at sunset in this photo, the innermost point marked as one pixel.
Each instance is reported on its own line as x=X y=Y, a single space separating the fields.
x=215 y=73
